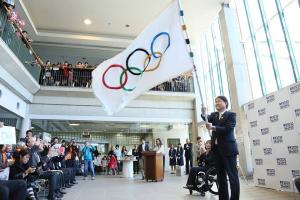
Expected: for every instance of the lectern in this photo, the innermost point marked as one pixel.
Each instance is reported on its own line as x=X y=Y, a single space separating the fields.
x=153 y=166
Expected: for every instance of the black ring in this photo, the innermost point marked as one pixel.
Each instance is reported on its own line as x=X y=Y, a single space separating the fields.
x=127 y=61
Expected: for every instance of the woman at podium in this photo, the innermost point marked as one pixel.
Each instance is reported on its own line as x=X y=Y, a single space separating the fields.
x=159 y=148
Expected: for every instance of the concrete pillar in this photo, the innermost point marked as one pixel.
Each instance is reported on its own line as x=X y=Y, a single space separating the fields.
x=239 y=83
x=26 y=123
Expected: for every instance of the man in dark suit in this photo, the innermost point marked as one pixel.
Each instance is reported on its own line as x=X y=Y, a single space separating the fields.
x=188 y=154
x=141 y=148
x=224 y=147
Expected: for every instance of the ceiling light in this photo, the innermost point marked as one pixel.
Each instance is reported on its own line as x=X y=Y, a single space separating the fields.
x=74 y=124
x=87 y=22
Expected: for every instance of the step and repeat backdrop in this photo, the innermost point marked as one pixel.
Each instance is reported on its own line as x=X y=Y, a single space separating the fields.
x=274 y=131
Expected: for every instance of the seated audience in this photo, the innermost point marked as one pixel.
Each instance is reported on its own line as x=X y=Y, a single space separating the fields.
x=22 y=170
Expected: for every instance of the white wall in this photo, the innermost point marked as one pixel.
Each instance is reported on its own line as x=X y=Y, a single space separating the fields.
x=9 y=101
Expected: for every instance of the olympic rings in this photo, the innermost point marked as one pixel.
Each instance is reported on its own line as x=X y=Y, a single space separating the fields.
x=134 y=70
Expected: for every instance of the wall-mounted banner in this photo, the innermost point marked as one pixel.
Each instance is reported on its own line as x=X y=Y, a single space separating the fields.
x=8 y=135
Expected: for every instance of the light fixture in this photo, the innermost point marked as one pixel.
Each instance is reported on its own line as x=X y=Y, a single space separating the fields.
x=74 y=124
x=127 y=25
x=87 y=21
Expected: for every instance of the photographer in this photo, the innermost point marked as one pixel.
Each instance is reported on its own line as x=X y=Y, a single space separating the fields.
x=87 y=152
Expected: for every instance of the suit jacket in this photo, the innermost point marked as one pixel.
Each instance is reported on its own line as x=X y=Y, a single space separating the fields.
x=224 y=132
x=188 y=148
x=206 y=160
x=140 y=149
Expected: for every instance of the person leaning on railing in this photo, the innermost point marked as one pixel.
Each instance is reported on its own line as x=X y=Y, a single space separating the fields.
x=13 y=18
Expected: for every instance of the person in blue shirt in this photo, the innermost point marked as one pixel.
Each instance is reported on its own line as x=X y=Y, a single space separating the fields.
x=87 y=153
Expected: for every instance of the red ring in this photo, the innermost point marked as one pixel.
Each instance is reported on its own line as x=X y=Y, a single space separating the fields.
x=112 y=87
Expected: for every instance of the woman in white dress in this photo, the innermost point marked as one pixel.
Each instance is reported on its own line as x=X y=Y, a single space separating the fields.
x=159 y=148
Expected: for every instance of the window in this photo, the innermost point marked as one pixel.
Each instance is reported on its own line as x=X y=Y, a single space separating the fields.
x=213 y=65
x=280 y=34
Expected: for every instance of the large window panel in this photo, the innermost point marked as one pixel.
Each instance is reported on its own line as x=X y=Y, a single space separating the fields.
x=224 y=80
x=287 y=2
x=282 y=55
x=216 y=81
x=210 y=47
x=218 y=40
x=204 y=56
x=266 y=62
x=252 y=70
x=242 y=19
x=255 y=14
x=209 y=97
x=292 y=16
x=270 y=8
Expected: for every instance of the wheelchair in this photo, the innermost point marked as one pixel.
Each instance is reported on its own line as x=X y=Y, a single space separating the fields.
x=206 y=181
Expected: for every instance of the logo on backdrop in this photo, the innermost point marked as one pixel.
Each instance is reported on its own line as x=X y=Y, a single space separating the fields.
x=270 y=172
x=250 y=106
x=259 y=161
x=295 y=173
x=264 y=131
x=288 y=126
x=281 y=161
x=267 y=151
x=270 y=98
x=261 y=181
x=274 y=118
x=253 y=124
x=277 y=139
x=284 y=104
x=297 y=112
x=261 y=111
x=256 y=142
x=285 y=185
x=293 y=149
x=294 y=89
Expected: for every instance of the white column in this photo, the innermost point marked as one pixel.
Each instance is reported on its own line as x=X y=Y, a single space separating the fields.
x=239 y=83
x=26 y=123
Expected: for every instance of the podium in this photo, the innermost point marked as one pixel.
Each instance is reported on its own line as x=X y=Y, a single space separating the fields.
x=153 y=166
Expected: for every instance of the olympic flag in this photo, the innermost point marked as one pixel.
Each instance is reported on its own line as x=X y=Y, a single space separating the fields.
x=158 y=54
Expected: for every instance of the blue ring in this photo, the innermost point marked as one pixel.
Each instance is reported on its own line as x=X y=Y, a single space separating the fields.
x=158 y=35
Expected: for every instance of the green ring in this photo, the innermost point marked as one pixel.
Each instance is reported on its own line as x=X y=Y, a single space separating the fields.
x=123 y=73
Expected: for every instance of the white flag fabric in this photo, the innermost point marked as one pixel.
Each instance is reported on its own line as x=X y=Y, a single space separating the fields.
x=158 y=54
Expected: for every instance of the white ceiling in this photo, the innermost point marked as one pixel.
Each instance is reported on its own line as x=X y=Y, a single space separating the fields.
x=60 y=23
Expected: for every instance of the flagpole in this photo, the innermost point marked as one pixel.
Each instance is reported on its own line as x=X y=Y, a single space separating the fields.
x=181 y=13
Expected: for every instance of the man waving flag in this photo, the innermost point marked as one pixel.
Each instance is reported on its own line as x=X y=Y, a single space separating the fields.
x=158 y=54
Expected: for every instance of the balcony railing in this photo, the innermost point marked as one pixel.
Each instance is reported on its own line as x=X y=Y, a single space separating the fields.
x=11 y=34
x=74 y=77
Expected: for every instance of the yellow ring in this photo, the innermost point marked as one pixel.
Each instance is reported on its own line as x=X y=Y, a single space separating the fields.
x=158 y=64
